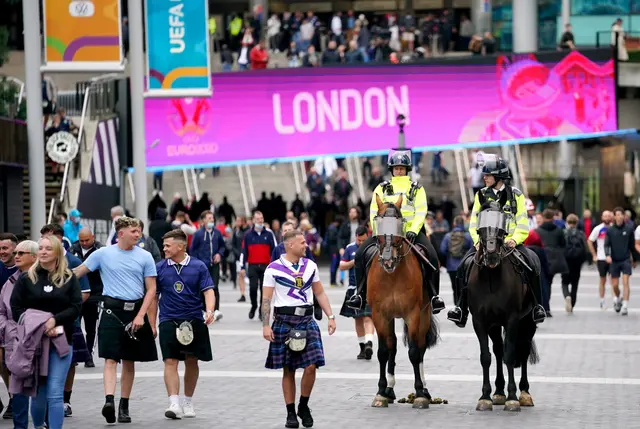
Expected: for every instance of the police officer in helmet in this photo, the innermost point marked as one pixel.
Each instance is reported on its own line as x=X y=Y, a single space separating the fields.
x=414 y=211
x=496 y=176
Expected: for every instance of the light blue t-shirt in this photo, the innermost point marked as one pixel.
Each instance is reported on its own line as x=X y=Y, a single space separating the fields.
x=122 y=271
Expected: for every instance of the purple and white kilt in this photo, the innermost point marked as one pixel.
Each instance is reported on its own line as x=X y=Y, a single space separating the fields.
x=80 y=351
x=280 y=355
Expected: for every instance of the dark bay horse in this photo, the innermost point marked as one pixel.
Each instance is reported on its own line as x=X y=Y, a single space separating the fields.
x=395 y=291
x=500 y=300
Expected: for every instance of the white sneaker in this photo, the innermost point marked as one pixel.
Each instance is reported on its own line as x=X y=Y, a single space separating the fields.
x=567 y=304
x=174 y=412
x=624 y=312
x=188 y=410
x=217 y=315
x=603 y=305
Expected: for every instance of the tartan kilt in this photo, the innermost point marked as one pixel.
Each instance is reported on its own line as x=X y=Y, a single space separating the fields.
x=80 y=351
x=347 y=311
x=280 y=355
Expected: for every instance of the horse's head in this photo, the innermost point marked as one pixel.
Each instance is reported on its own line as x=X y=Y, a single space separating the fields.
x=492 y=230
x=389 y=232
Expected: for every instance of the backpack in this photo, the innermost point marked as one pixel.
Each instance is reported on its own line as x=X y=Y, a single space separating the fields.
x=456 y=244
x=575 y=249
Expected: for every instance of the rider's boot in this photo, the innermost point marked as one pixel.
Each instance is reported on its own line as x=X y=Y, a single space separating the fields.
x=431 y=288
x=538 y=313
x=460 y=313
x=359 y=299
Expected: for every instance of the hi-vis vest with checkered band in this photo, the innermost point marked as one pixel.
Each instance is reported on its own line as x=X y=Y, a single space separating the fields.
x=518 y=227
x=414 y=201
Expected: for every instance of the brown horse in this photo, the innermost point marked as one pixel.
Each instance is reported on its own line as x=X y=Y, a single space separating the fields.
x=395 y=291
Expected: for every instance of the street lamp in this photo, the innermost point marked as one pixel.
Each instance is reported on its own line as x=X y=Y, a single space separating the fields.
x=401 y=120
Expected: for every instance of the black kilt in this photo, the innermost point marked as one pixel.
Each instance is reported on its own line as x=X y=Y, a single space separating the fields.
x=280 y=355
x=171 y=348
x=347 y=311
x=114 y=343
x=80 y=351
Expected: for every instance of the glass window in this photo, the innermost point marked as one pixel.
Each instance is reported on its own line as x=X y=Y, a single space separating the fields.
x=635 y=6
x=600 y=7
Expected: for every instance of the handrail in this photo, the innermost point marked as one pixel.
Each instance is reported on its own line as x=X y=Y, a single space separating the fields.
x=304 y=180
x=132 y=189
x=252 y=192
x=465 y=204
x=196 y=188
x=351 y=179
x=93 y=82
x=608 y=33
x=467 y=168
x=186 y=184
x=50 y=217
x=244 y=191
x=296 y=178
x=358 y=168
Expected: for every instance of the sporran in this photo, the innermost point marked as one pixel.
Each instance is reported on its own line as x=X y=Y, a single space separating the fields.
x=297 y=340
x=184 y=333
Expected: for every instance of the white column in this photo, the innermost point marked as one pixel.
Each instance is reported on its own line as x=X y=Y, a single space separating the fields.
x=525 y=26
x=566 y=12
x=481 y=15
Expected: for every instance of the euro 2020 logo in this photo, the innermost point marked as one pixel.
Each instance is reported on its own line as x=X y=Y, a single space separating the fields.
x=189 y=118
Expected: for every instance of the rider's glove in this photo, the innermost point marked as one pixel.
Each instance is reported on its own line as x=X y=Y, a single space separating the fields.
x=411 y=236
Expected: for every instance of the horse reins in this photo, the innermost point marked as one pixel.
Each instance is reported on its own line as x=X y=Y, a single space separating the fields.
x=424 y=258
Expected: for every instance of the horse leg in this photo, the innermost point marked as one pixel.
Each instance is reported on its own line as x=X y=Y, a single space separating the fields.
x=392 y=345
x=499 y=398
x=382 y=328
x=416 y=337
x=525 y=398
x=512 y=403
x=484 y=403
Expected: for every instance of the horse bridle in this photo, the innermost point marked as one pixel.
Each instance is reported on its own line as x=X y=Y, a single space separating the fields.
x=480 y=258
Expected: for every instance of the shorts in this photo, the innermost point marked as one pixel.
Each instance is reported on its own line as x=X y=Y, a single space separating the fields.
x=622 y=267
x=603 y=268
x=171 y=348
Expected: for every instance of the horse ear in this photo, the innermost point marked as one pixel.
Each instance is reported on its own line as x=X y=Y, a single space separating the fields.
x=379 y=203
x=398 y=203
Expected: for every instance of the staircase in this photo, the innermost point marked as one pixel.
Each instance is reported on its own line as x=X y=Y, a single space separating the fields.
x=53 y=183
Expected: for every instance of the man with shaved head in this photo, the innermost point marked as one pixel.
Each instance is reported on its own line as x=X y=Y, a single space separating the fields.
x=598 y=235
x=85 y=246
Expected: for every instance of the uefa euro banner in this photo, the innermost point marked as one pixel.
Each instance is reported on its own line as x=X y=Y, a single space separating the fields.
x=301 y=113
x=83 y=35
x=178 y=58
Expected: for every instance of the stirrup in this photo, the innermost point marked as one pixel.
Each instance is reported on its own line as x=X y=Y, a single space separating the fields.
x=540 y=319
x=455 y=314
x=437 y=304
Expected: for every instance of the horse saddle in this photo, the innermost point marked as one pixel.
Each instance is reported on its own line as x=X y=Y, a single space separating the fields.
x=530 y=258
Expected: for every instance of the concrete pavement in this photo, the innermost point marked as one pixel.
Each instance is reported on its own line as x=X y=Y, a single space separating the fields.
x=588 y=376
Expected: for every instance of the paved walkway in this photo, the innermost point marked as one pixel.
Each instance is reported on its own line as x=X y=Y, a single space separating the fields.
x=588 y=376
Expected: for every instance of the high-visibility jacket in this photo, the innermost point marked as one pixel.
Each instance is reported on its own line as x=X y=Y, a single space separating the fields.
x=518 y=227
x=414 y=201
x=212 y=25
x=235 y=26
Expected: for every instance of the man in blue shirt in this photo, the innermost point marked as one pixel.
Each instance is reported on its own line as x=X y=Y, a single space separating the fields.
x=72 y=226
x=208 y=246
x=181 y=281
x=80 y=349
x=127 y=327
x=364 y=324
x=8 y=243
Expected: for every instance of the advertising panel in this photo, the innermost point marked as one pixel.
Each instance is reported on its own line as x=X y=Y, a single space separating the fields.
x=292 y=114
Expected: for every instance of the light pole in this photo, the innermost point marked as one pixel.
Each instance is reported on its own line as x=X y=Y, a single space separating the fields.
x=401 y=120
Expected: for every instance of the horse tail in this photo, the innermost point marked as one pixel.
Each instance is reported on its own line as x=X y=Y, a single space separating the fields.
x=534 y=357
x=433 y=333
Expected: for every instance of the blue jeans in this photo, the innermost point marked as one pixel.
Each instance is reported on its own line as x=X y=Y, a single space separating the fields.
x=50 y=394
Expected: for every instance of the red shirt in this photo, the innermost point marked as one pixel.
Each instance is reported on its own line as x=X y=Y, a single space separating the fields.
x=259 y=58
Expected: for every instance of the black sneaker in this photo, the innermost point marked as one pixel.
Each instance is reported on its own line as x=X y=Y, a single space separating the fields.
x=242 y=299
x=368 y=350
x=361 y=354
x=68 y=412
x=109 y=412
x=123 y=416
x=437 y=305
x=89 y=364
x=252 y=313
x=305 y=416
x=292 y=421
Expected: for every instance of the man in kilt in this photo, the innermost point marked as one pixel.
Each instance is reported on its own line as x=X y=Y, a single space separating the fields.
x=364 y=324
x=291 y=282
x=126 y=333
x=181 y=281
x=81 y=352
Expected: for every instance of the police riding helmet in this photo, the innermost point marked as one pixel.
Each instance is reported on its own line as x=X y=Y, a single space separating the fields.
x=400 y=158
x=495 y=166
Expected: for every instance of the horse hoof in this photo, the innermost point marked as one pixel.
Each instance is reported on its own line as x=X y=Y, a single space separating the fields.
x=380 y=402
x=484 y=405
x=512 y=406
x=421 y=403
x=499 y=399
x=526 y=400
x=390 y=395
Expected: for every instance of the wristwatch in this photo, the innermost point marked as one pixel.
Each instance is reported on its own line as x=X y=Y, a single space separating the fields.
x=332 y=317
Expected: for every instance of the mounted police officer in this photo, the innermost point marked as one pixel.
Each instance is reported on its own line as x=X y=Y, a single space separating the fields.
x=414 y=211
x=512 y=201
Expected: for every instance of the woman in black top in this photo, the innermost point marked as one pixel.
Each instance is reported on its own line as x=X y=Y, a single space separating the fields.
x=50 y=286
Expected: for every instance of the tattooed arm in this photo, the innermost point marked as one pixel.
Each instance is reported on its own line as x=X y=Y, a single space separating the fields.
x=267 y=294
